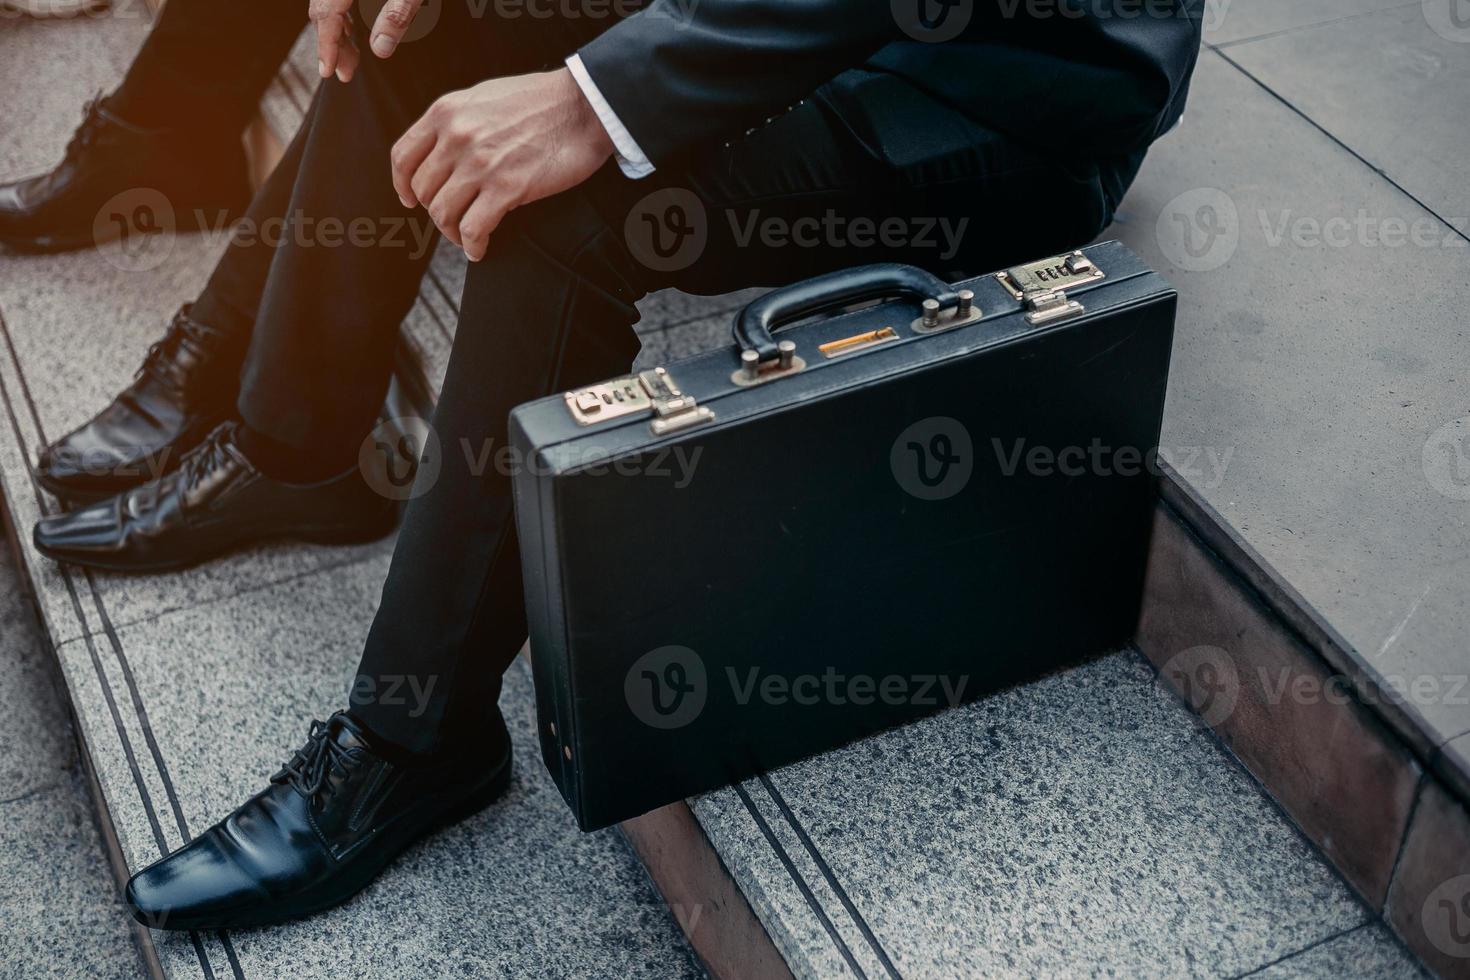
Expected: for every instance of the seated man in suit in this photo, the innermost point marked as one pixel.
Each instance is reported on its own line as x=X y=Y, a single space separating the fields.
x=575 y=159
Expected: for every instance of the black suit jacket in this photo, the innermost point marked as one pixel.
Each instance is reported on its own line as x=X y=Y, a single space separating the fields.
x=1091 y=78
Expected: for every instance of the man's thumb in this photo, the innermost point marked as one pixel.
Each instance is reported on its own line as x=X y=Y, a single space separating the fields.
x=392 y=23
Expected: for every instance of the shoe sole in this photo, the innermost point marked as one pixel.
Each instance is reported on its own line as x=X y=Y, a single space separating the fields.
x=335 y=536
x=389 y=849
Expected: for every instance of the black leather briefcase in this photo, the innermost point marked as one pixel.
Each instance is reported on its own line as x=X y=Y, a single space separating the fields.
x=751 y=555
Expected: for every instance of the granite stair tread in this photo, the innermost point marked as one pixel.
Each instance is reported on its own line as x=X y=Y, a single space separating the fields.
x=1086 y=821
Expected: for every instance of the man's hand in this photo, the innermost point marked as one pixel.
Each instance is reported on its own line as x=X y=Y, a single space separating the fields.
x=336 y=53
x=479 y=153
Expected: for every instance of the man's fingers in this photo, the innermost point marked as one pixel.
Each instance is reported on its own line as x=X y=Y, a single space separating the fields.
x=392 y=23
x=329 y=33
x=448 y=207
x=407 y=156
x=475 y=228
x=432 y=173
x=347 y=55
x=332 y=19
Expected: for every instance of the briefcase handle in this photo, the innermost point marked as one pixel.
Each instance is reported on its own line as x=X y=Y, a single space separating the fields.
x=756 y=323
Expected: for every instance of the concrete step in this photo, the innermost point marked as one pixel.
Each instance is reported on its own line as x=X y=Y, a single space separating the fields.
x=51 y=855
x=1085 y=823
x=1317 y=535
x=1088 y=822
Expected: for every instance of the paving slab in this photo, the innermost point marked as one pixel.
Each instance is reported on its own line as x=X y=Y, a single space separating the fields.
x=1082 y=819
x=1370 y=951
x=1392 y=86
x=1318 y=394
x=1228 y=21
x=51 y=860
x=60 y=915
x=37 y=751
x=687 y=338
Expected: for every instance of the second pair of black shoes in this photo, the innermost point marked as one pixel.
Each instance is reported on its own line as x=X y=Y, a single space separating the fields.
x=216 y=501
x=161 y=481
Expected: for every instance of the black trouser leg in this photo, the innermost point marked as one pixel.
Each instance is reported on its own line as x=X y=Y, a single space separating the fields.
x=206 y=63
x=547 y=308
x=347 y=267
x=551 y=306
x=231 y=298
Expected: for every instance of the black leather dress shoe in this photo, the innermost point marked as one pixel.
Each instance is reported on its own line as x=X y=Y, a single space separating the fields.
x=328 y=824
x=185 y=388
x=214 y=502
x=203 y=178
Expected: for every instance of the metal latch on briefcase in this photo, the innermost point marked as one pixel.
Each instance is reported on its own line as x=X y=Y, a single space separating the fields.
x=1042 y=286
x=648 y=391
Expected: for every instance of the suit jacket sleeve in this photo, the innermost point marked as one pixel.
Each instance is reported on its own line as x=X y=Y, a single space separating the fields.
x=682 y=74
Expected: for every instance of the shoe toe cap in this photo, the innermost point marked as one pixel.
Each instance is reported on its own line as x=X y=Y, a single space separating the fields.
x=86 y=462
x=90 y=530
x=198 y=887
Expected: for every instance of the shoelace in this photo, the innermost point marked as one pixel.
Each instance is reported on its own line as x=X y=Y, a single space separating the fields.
x=160 y=356
x=86 y=133
x=309 y=768
x=206 y=458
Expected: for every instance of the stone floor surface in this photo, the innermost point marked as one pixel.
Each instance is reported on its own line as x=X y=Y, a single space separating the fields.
x=1081 y=824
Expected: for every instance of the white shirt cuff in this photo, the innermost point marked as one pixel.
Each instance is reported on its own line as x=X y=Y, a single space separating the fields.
x=631 y=160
